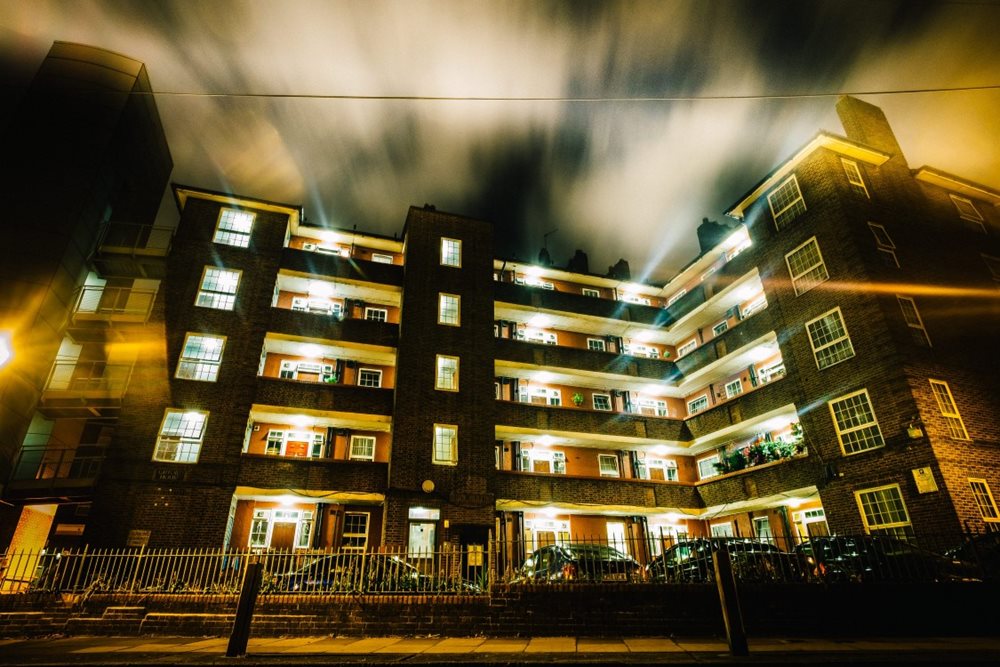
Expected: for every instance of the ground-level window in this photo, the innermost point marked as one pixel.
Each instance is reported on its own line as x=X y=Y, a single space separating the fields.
x=281 y=529
x=855 y=423
x=722 y=529
x=984 y=500
x=884 y=512
x=355 y=533
x=608 y=465
x=181 y=433
x=706 y=467
x=762 y=528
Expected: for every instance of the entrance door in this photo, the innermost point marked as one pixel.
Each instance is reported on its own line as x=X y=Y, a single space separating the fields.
x=283 y=536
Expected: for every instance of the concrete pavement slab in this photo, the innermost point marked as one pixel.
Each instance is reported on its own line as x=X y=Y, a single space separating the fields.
x=551 y=645
x=409 y=646
x=652 y=645
x=502 y=646
x=363 y=645
x=702 y=646
x=322 y=645
x=600 y=646
x=456 y=645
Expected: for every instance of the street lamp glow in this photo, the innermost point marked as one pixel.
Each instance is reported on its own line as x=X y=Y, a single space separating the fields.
x=6 y=348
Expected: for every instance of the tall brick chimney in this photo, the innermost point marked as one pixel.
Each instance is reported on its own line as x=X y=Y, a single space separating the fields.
x=866 y=124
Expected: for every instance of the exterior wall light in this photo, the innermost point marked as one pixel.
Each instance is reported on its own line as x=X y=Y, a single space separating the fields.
x=6 y=348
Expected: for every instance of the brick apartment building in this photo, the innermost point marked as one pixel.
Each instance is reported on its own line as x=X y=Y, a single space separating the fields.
x=826 y=364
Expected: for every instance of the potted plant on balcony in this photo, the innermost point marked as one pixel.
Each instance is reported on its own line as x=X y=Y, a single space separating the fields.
x=577 y=399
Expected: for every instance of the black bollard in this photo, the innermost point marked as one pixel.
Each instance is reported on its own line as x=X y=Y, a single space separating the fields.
x=729 y=599
x=244 y=611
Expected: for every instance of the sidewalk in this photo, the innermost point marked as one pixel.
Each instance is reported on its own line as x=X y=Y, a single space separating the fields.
x=537 y=650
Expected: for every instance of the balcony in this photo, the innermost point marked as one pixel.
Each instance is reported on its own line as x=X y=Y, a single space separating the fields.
x=324 y=397
x=601 y=491
x=739 y=335
x=102 y=312
x=272 y=472
x=84 y=389
x=610 y=425
x=55 y=470
x=761 y=481
x=328 y=327
x=131 y=250
x=581 y=305
x=759 y=401
x=335 y=266
x=687 y=303
x=555 y=356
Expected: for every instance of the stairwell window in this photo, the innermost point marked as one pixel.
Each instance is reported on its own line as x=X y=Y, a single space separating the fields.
x=446 y=378
x=829 y=339
x=913 y=320
x=218 y=288
x=449 y=309
x=786 y=202
x=884 y=512
x=234 y=227
x=370 y=377
x=855 y=423
x=445 y=444
x=362 y=448
x=806 y=267
x=968 y=211
x=608 y=465
x=993 y=266
x=985 y=502
x=201 y=356
x=181 y=433
x=854 y=177
x=946 y=404
x=451 y=252
x=883 y=243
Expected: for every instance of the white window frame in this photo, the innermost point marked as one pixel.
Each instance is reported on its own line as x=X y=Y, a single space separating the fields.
x=698 y=400
x=653 y=407
x=720 y=328
x=217 y=299
x=722 y=529
x=946 y=404
x=884 y=244
x=362 y=455
x=556 y=459
x=232 y=234
x=734 y=388
x=355 y=536
x=200 y=368
x=605 y=463
x=854 y=177
x=445 y=436
x=848 y=430
x=759 y=303
x=687 y=347
x=788 y=210
x=553 y=397
x=983 y=496
x=448 y=303
x=451 y=252
x=381 y=258
x=668 y=466
x=440 y=377
x=605 y=396
x=185 y=443
x=913 y=319
x=370 y=370
x=371 y=311
x=897 y=528
x=636 y=299
x=711 y=460
x=595 y=293
x=836 y=345
x=676 y=297
x=597 y=345
x=805 y=273
x=967 y=210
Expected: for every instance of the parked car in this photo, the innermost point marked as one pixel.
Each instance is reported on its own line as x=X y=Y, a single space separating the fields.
x=692 y=561
x=981 y=551
x=574 y=562
x=841 y=558
x=362 y=573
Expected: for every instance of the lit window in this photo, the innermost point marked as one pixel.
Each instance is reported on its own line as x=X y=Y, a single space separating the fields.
x=379 y=258
x=984 y=500
x=445 y=444
x=218 y=288
x=722 y=529
x=829 y=339
x=596 y=344
x=362 y=448
x=967 y=210
x=946 y=404
x=854 y=421
x=451 y=252
x=449 y=309
x=884 y=512
x=993 y=264
x=376 y=314
x=447 y=373
x=651 y=406
x=602 y=402
x=734 y=388
x=676 y=297
x=758 y=303
x=181 y=433
x=720 y=328
x=806 y=267
x=697 y=405
x=706 y=467
x=854 y=177
x=883 y=243
x=259 y=528
x=786 y=202
x=591 y=292
x=913 y=320
x=687 y=347
x=658 y=469
x=369 y=377
x=234 y=227
x=608 y=465
x=355 y=534
x=200 y=357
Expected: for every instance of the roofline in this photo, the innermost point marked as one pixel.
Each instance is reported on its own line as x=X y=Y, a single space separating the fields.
x=182 y=192
x=822 y=139
x=960 y=185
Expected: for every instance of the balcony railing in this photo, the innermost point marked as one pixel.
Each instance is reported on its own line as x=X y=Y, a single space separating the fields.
x=50 y=465
x=88 y=377
x=135 y=239
x=114 y=304
x=330 y=327
x=578 y=420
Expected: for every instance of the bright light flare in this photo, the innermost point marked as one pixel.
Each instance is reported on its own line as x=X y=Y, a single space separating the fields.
x=6 y=348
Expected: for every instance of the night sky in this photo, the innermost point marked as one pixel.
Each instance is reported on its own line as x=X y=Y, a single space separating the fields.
x=617 y=179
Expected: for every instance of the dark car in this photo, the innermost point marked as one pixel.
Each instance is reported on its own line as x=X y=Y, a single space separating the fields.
x=981 y=551
x=362 y=573
x=842 y=558
x=692 y=561
x=578 y=563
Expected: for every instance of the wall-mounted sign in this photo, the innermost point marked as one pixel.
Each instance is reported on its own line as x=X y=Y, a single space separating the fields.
x=137 y=538
x=924 y=477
